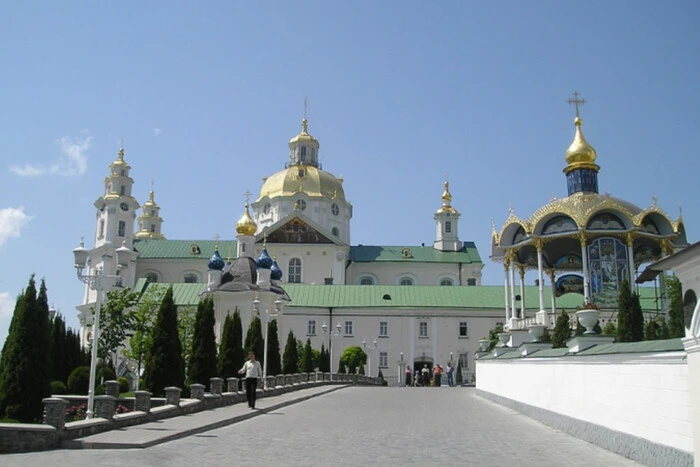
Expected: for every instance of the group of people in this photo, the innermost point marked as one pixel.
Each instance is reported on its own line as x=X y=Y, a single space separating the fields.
x=426 y=377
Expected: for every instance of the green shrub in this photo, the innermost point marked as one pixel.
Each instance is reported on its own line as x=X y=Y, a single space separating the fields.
x=57 y=387
x=79 y=380
x=105 y=373
x=123 y=384
x=100 y=390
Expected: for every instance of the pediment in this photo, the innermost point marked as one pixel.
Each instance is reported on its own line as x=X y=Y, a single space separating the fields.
x=297 y=230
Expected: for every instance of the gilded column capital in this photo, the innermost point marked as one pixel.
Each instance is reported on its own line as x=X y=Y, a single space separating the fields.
x=551 y=273
x=583 y=238
x=521 y=270
x=539 y=243
x=630 y=237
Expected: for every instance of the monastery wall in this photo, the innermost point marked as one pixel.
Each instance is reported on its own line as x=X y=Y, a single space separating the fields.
x=637 y=405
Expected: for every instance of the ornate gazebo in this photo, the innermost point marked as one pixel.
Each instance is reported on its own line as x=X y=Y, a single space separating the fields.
x=586 y=243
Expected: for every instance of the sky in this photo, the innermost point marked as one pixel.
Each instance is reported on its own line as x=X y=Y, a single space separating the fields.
x=401 y=96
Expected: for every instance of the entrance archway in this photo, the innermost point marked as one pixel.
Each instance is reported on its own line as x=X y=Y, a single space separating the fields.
x=418 y=365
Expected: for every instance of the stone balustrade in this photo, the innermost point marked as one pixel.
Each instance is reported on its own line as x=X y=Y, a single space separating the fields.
x=142 y=402
x=197 y=391
x=232 y=384
x=216 y=385
x=172 y=396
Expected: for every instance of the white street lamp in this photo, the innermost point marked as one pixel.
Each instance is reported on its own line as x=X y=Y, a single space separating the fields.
x=267 y=316
x=369 y=348
x=98 y=283
x=338 y=327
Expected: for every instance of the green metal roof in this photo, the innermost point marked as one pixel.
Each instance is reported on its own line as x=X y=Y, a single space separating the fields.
x=668 y=345
x=559 y=352
x=478 y=297
x=420 y=254
x=183 y=294
x=182 y=249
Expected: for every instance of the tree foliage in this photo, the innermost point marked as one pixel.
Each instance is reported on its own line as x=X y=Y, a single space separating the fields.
x=308 y=357
x=227 y=350
x=254 y=339
x=650 y=330
x=493 y=336
x=630 y=319
x=610 y=329
x=274 y=362
x=290 y=359
x=202 y=364
x=353 y=357
x=562 y=330
x=676 y=322
x=24 y=364
x=143 y=316
x=58 y=350
x=165 y=365
x=116 y=322
x=185 y=330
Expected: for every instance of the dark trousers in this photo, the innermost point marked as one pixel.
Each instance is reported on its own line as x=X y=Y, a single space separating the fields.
x=251 y=384
x=438 y=379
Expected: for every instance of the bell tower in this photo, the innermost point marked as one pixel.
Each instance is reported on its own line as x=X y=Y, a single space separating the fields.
x=446 y=224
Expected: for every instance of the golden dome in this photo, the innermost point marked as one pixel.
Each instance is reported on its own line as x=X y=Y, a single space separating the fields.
x=120 y=158
x=446 y=201
x=580 y=153
x=304 y=136
x=151 y=202
x=303 y=179
x=246 y=225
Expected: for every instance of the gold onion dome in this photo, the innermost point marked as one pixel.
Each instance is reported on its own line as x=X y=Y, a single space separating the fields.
x=580 y=153
x=246 y=225
x=151 y=201
x=304 y=135
x=446 y=201
x=314 y=182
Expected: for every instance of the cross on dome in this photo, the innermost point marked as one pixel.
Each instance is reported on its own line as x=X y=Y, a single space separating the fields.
x=576 y=101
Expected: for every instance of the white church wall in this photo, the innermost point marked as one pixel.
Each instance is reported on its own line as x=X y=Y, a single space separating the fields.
x=424 y=273
x=645 y=396
x=317 y=261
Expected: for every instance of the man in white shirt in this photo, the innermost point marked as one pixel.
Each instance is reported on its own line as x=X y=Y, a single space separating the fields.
x=252 y=372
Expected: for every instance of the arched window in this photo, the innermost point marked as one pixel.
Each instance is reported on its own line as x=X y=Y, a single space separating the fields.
x=303 y=153
x=446 y=282
x=191 y=278
x=122 y=190
x=153 y=227
x=448 y=227
x=366 y=280
x=294 y=271
x=406 y=281
x=335 y=231
x=152 y=277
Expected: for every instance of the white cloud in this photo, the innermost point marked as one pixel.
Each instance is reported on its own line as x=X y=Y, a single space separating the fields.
x=7 y=308
x=157 y=132
x=12 y=221
x=72 y=162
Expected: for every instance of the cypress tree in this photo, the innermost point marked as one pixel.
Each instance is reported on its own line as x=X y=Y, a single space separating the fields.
x=290 y=359
x=636 y=319
x=202 y=364
x=676 y=322
x=254 y=340
x=58 y=350
x=274 y=363
x=225 y=365
x=624 y=310
x=663 y=332
x=164 y=364
x=610 y=329
x=24 y=376
x=322 y=360
x=308 y=357
x=650 y=331
x=239 y=356
x=562 y=330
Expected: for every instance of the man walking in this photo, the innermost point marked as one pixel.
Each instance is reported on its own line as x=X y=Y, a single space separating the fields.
x=252 y=372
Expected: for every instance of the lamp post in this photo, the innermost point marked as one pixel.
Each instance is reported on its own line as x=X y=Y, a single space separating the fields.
x=98 y=283
x=338 y=326
x=369 y=347
x=266 y=318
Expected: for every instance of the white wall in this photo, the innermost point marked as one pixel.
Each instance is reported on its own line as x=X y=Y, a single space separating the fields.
x=643 y=395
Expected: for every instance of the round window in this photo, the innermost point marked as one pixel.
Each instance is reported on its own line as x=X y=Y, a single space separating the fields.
x=302 y=204
x=335 y=209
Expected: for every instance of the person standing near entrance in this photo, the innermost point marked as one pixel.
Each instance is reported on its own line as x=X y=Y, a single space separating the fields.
x=408 y=375
x=252 y=372
x=450 y=374
x=437 y=373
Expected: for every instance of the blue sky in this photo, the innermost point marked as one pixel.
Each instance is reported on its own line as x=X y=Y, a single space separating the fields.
x=207 y=94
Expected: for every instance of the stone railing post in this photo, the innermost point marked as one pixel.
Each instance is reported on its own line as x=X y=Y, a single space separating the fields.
x=197 y=391
x=297 y=378
x=216 y=385
x=172 y=396
x=270 y=382
x=326 y=376
x=288 y=380
x=232 y=384
x=304 y=378
x=142 y=401
x=104 y=407
x=55 y=412
x=112 y=388
x=279 y=380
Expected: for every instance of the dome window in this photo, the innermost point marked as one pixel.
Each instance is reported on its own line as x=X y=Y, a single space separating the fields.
x=266 y=209
x=335 y=231
x=303 y=153
x=335 y=209
x=301 y=173
x=448 y=227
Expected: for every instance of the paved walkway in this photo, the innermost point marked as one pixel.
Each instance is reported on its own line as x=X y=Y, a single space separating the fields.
x=355 y=426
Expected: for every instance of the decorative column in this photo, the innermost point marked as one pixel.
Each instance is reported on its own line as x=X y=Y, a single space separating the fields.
x=506 y=265
x=512 y=289
x=630 y=258
x=542 y=314
x=554 y=291
x=584 y=262
x=521 y=270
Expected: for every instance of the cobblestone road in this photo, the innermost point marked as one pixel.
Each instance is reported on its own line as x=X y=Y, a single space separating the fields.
x=361 y=426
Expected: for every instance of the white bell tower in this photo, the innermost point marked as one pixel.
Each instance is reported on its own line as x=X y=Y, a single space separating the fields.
x=446 y=224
